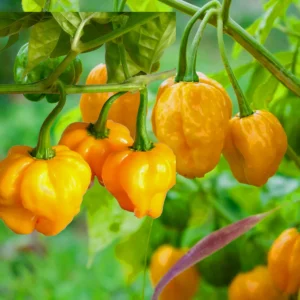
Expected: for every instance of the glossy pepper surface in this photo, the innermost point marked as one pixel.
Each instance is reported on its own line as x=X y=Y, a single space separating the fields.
x=140 y=180
x=123 y=111
x=192 y=119
x=95 y=150
x=41 y=194
x=254 y=285
x=284 y=261
x=254 y=147
x=183 y=286
x=71 y=74
x=287 y=110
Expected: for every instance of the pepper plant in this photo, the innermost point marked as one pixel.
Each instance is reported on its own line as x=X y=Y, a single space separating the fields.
x=109 y=155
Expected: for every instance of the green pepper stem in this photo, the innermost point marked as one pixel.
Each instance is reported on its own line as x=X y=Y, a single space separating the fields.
x=142 y=141
x=182 y=62
x=295 y=57
x=122 y=5
x=191 y=74
x=241 y=36
x=99 y=129
x=244 y=107
x=225 y=10
x=43 y=149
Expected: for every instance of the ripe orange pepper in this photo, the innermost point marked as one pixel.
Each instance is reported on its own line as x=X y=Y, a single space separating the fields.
x=184 y=286
x=140 y=180
x=254 y=147
x=192 y=119
x=41 y=194
x=95 y=150
x=284 y=261
x=123 y=111
x=254 y=285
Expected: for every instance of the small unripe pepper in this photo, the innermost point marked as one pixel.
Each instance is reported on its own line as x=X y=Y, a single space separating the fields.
x=80 y=137
x=70 y=75
x=254 y=147
x=284 y=261
x=123 y=111
x=140 y=180
x=42 y=195
x=192 y=119
x=183 y=286
x=254 y=285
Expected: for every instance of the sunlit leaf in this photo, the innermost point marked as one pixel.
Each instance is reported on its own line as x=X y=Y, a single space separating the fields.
x=148 y=5
x=33 y=5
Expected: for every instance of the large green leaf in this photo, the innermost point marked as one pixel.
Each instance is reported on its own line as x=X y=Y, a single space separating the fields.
x=146 y=43
x=12 y=23
x=68 y=21
x=148 y=5
x=114 y=65
x=43 y=40
x=106 y=220
x=33 y=5
x=64 y=5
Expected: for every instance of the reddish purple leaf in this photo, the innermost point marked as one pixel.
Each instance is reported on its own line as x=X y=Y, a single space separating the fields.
x=207 y=246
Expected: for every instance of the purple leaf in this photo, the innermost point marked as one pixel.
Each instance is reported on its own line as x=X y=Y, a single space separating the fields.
x=207 y=246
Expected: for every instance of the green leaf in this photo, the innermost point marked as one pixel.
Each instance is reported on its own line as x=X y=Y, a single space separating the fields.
x=63 y=45
x=68 y=21
x=33 y=5
x=65 y=120
x=12 y=39
x=114 y=66
x=107 y=222
x=43 y=40
x=222 y=77
x=146 y=43
x=64 y=5
x=148 y=5
x=12 y=23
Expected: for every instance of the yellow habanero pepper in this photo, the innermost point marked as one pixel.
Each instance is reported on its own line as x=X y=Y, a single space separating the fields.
x=124 y=111
x=140 y=180
x=254 y=147
x=41 y=194
x=93 y=149
x=183 y=286
x=42 y=188
x=284 y=261
x=254 y=285
x=192 y=119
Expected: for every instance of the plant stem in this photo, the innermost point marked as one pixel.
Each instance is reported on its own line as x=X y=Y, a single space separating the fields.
x=295 y=58
x=116 y=33
x=116 y=5
x=122 y=5
x=191 y=74
x=99 y=129
x=59 y=70
x=43 y=150
x=133 y=84
x=225 y=10
x=123 y=60
x=249 y=43
x=293 y=156
x=244 y=107
x=142 y=141
x=184 y=40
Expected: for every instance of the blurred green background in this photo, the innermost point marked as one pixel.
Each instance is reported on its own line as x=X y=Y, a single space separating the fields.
x=36 y=267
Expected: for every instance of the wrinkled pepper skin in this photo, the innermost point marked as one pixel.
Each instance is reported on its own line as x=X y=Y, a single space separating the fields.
x=71 y=74
x=287 y=110
x=42 y=195
x=123 y=111
x=254 y=147
x=140 y=180
x=192 y=119
x=95 y=150
x=183 y=286
x=284 y=261
x=254 y=285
